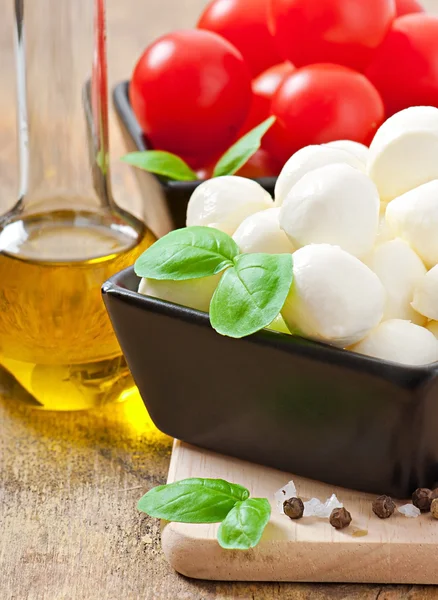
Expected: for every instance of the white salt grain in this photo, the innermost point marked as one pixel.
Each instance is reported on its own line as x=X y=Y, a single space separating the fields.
x=329 y=505
x=409 y=510
x=311 y=507
x=285 y=493
x=316 y=508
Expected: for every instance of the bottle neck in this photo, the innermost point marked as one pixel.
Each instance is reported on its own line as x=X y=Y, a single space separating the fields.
x=62 y=120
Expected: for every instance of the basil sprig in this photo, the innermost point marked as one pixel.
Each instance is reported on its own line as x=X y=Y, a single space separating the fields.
x=240 y=152
x=251 y=294
x=243 y=526
x=251 y=291
x=188 y=253
x=198 y=500
x=161 y=163
x=174 y=167
x=193 y=500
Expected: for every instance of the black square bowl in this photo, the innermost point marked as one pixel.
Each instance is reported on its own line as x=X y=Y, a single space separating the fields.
x=176 y=193
x=279 y=400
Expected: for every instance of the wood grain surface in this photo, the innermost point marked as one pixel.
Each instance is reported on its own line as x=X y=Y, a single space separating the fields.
x=69 y=528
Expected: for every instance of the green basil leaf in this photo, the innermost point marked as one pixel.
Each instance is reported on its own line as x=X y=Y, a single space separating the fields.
x=239 y=153
x=193 y=500
x=244 y=525
x=188 y=253
x=161 y=163
x=251 y=294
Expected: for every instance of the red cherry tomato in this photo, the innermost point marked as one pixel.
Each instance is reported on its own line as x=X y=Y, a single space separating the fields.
x=244 y=23
x=205 y=172
x=344 y=32
x=319 y=104
x=405 y=68
x=191 y=92
x=407 y=7
x=263 y=88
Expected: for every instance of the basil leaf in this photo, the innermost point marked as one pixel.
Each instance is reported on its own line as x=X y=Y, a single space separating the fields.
x=188 y=253
x=161 y=163
x=244 y=525
x=239 y=153
x=193 y=500
x=251 y=294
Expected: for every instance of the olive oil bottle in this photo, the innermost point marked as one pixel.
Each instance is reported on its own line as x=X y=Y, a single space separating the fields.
x=55 y=335
x=65 y=236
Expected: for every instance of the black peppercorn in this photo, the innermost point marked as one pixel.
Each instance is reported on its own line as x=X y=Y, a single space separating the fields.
x=340 y=518
x=293 y=508
x=422 y=498
x=383 y=507
x=434 y=508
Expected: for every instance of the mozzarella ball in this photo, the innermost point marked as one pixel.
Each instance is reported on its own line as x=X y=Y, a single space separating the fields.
x=399 y=269
x=400 y=341
x=261 y=232
x=426 y=295
x=432 y=326
x=223 y=202
x=194 y=293
x=336 y=204
x=334 y=297
x=403 y=152
x=308 y=159
x=414 y=217
x=359 y=150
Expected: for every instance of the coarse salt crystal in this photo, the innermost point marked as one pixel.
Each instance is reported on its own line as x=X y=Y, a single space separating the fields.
x=329 y=505
x=316 y=508
x=311 y=507
x=285 y=493
x=409 y=510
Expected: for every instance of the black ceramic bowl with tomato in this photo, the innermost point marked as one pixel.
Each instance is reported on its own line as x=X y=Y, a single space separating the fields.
x=279 y=400
x=176 y=193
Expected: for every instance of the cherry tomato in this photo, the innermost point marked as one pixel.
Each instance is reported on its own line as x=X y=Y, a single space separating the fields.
x=205 y=173
x=322 y=103
x=405 y=68
x=191 y=92
x=245 y=24
x=407 y=7
x=263 y=88
x=344 y=32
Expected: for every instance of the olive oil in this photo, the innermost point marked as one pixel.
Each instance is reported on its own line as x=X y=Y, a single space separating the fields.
x=56 y=338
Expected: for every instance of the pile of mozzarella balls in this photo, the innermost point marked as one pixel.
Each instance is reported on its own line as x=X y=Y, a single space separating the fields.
x=362 y=225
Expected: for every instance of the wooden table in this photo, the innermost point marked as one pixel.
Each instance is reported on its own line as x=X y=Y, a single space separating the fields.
x=69 y=528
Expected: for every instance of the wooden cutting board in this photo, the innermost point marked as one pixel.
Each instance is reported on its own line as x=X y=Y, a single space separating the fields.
x=395 y=550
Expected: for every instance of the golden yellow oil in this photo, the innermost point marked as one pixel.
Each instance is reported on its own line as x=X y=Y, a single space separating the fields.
x=56 y=338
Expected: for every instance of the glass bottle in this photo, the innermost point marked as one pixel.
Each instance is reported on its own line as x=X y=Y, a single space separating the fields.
x=65 y=236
